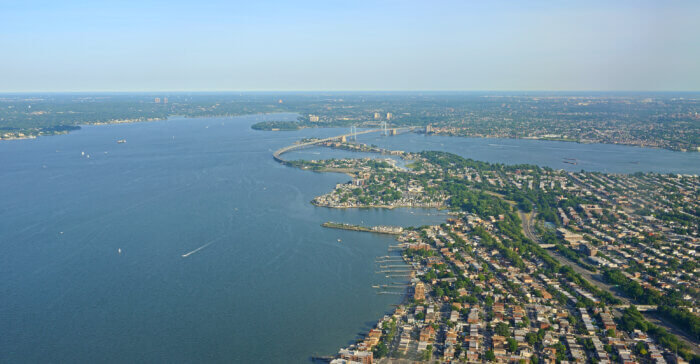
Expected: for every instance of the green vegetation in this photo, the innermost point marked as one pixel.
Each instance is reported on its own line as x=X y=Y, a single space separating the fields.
x=276 y=125
x=632 y=319
x=667 y=122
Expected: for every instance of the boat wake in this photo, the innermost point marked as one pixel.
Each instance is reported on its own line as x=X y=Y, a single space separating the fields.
x=198 y=249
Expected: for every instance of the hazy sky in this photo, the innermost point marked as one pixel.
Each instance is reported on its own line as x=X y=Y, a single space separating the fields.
x=349 y=45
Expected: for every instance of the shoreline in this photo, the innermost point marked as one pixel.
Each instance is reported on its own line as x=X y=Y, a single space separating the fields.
x=382 y=337
x=302 y=127
x=583 y=142
x=387 y=207
x=132 y=121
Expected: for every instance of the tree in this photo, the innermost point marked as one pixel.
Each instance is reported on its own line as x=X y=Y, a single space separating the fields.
x=531 y=338
x=640 y=348
x=428 y=353
x=380 y=350
x=502 y=329
x=490 y=356
x=512 y=345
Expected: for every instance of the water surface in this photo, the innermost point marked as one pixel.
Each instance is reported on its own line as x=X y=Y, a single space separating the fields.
x=261 y=280
x=268 y=283
x=590 y=157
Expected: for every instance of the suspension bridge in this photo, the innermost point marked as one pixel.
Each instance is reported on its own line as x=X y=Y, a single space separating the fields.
x=277 y=155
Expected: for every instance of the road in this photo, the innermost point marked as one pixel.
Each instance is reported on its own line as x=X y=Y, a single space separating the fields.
x=597 y=280
x=278 y=153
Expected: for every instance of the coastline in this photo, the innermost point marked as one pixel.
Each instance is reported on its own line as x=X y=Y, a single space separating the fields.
x=388 y=207
x=382 y=337
x=577 y=141
x=124 y=121
x=301 y=127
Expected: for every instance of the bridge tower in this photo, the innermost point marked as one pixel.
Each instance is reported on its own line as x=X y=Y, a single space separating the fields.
x=353 y=132
x=385 y=132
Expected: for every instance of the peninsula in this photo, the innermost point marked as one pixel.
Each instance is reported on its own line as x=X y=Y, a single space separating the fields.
x=535 y=265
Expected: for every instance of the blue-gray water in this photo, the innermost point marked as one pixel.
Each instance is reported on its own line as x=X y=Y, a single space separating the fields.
x=268 y=284
x=589 y=157
x=272 y=286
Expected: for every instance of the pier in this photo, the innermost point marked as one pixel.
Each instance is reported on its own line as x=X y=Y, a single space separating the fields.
x=381 y=229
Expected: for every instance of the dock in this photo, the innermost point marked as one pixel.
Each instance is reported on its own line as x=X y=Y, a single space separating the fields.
x=380 y=229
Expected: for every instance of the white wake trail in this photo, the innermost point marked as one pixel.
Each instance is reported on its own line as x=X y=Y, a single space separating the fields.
x=198 y=249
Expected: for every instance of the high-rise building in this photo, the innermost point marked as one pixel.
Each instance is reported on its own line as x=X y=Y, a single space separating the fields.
x=314 y=118
x=428 y=129
x=377 y=116
x=389 y=116
x=165 y=100
x=157 y=100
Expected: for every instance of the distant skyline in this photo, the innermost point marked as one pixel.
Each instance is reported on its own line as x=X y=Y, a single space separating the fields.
x=143 y=46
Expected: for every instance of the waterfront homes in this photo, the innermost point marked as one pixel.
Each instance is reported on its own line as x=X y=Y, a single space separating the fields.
x=535 y=264
x=491 y=309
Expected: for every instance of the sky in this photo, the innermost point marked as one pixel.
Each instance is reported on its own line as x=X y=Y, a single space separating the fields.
x=351 y=45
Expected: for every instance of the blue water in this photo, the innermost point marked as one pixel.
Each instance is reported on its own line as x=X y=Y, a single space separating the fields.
x=268 y=283
x=590 y=157
x=271 y=286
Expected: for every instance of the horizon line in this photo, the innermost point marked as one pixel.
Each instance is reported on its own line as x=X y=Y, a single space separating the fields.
x=332 y=91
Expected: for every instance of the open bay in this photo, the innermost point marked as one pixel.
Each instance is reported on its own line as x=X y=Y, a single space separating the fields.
x=261 y=280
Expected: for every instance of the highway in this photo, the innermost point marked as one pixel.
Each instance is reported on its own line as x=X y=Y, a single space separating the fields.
x=277 y=155
x=597 y=280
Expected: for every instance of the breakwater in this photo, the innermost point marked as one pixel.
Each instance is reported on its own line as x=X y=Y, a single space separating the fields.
x=381 y=229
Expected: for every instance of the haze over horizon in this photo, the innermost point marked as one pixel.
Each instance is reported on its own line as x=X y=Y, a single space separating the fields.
x=81 y=46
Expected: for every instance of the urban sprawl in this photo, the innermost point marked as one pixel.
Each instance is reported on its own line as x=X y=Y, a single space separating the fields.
x=535 y=265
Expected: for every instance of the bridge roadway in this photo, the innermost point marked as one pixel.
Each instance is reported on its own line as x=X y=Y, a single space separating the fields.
x=277 y=155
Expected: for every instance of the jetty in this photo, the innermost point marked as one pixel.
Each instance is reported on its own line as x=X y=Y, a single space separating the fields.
x=380 y=229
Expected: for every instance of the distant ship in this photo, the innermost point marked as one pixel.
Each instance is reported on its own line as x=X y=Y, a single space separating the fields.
x=339 y=240
x=570 y=161
x=121 y=141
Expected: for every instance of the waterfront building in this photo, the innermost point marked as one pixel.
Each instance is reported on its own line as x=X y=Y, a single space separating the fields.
x=419 y=291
